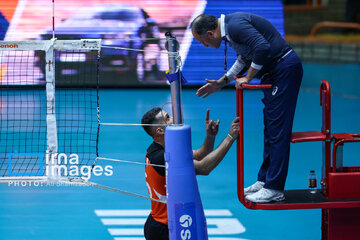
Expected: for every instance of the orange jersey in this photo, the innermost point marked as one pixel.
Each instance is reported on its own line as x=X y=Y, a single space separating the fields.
x=156 y=182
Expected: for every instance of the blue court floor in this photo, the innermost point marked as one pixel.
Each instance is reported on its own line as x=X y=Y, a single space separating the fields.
x=45 y=212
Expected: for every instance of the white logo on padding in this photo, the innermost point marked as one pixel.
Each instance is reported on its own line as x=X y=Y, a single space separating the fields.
x=274 y=90
x=185 y=221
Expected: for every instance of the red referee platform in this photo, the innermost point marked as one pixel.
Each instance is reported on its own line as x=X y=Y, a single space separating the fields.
x=339 y=196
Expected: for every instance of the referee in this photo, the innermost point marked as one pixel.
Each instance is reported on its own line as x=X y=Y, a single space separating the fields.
x=263 y=53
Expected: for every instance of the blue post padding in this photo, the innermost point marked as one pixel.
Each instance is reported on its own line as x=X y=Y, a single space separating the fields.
x=186 y=218
x=175 y=76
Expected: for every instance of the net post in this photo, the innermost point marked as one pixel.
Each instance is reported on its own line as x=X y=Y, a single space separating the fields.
x=172 y=46
x=186 y=216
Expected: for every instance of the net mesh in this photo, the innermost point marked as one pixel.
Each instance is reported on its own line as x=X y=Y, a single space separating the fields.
x=77 y=104
x=23 y=111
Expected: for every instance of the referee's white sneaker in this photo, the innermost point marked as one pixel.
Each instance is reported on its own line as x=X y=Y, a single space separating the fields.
x=253 y=188
x=265 y=195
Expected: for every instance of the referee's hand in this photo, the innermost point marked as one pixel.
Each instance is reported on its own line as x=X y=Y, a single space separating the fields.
x=210 y=87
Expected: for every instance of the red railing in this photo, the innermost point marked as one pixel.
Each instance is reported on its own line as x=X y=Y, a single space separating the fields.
x=296 y=199
x=240 y=141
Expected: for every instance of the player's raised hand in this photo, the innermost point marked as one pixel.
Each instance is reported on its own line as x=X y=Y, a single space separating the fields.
x=211 y=126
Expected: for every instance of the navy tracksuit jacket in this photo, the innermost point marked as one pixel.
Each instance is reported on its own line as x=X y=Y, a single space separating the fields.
x=259 y=44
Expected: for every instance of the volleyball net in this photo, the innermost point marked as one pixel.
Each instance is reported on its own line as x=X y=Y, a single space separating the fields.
x=49 y=116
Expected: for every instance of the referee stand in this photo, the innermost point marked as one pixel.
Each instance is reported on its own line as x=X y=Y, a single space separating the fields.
x=339 y=197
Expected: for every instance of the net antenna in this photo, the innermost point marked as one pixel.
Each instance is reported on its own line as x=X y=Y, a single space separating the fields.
x=53 y=17
x=49 y=110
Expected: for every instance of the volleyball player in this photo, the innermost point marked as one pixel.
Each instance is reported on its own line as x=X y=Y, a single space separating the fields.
x=205 y=160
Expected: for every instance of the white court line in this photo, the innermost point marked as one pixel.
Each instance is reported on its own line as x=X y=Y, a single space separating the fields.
x=226 y=238
x=211 y=238
x=122 y=213
x=129 y=238
x=217 y=213
x=223 y=226
x=123 y=221
x=126 y=231
x=145 y=213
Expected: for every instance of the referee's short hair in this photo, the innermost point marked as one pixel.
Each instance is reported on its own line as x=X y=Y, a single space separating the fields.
x=203 y=23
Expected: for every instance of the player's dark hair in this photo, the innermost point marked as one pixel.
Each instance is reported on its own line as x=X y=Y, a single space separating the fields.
x=203 y=23
x=150 y=118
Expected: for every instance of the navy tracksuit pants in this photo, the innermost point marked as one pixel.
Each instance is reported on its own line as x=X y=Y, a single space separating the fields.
x=280 y=103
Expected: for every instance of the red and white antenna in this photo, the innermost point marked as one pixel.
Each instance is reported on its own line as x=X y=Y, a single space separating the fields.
x=53 y=17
